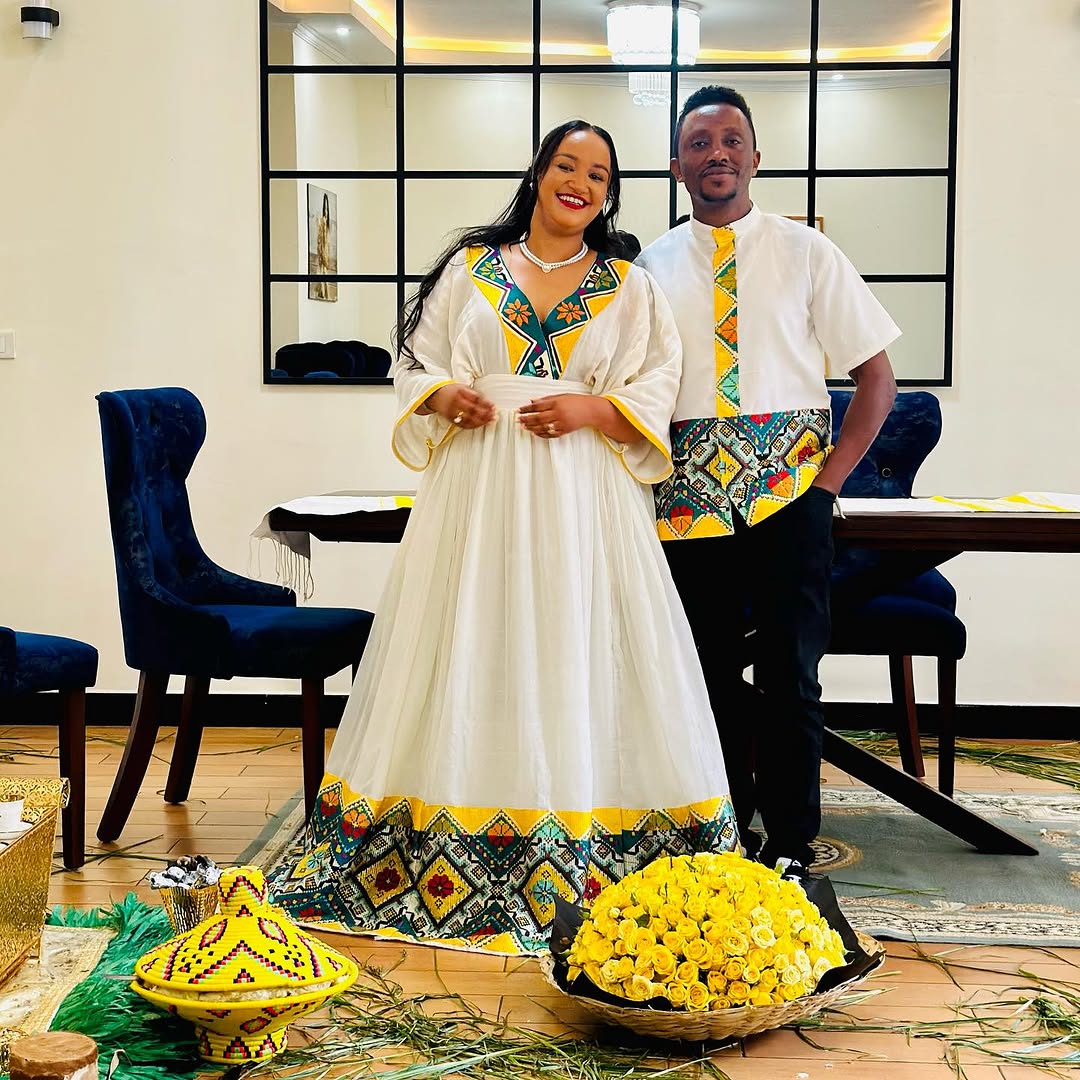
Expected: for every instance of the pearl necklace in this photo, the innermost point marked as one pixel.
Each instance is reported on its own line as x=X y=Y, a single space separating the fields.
x=547 y=267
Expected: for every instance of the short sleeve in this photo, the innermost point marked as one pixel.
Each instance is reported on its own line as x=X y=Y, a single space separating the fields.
x=849 y=320
x=416 y=437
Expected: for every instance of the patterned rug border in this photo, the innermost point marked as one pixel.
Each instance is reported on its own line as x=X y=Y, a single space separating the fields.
x=885 y=916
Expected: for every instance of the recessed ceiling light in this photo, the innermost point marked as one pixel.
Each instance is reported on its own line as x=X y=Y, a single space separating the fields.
x=342 y=31
x=838 y=75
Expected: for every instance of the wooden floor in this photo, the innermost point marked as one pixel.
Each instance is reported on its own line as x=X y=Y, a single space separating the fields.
x=243 y=776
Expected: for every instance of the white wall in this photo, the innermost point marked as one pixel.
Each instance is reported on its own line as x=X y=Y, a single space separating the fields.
x=129 y=256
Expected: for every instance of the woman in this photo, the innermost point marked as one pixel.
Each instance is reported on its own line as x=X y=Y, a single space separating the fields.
x=529 y=719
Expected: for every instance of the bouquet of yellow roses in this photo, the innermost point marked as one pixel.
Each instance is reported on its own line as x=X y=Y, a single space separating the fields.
x=707 y=934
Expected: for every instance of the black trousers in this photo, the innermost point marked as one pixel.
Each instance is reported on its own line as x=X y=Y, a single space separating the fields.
x=772 y=578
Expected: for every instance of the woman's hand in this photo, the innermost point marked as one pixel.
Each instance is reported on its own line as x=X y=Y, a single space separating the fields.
x=558 y=415
x=463 y=407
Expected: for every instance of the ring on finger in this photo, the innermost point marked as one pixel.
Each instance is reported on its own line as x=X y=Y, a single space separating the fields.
x=551 y=429
x=458 y=418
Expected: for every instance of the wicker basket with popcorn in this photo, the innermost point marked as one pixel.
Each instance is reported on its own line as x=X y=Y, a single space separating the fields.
x=707 y=947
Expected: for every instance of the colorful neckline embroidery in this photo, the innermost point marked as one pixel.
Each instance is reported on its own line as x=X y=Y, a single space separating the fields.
x=542 y=349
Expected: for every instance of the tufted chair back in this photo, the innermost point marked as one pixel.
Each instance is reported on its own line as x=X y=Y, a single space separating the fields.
x=909 y=433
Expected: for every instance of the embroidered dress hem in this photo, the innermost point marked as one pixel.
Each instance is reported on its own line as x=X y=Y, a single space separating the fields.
x=479 y=878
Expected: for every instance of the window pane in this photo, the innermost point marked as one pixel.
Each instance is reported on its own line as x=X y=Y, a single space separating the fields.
x=438 y=32
x=779 y=104
x=775 y=31
x=473 y=122
x=887 y=224
x=362 y=312
x=918 y=308
x=774 y=194
x=644 y=211
x=331 y=122
x=884 y=120
x=323 y=39
x=884 y=30
x=640 y=132
x=437 y=209
x=362 y=221
x=572 y=32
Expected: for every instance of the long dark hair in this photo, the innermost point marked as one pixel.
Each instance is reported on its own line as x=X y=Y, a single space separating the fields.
x=513 y=224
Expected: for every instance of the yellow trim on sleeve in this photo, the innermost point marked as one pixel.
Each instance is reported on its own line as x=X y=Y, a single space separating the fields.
x=628 y=414
x=431 y=446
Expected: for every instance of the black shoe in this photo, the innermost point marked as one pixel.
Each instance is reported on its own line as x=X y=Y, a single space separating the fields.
x=792 y=870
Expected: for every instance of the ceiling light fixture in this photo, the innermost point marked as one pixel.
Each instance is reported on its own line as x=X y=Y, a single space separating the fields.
x=639 y=32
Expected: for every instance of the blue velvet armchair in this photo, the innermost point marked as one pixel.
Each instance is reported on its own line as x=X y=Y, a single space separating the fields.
x=895 y=604
x=33 y=663
x=182 y=614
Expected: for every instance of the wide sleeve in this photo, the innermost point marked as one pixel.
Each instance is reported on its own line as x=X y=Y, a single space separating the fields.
x=416 y=437
x=849 y=321
x=645 y=386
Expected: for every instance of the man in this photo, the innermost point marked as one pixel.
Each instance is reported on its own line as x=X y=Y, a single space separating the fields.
x=759 y=301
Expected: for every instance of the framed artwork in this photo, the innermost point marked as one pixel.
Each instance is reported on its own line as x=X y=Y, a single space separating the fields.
x=819 y=221
x=322 y=242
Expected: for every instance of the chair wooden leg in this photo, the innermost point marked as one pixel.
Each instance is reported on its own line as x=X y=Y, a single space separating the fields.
x=73 y=766
x=314 y=739
x=188 y=738
x=902 y=679
x=149 y=706
x=947 y=732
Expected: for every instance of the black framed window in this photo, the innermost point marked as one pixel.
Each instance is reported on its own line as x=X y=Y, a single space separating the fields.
x=387 y=129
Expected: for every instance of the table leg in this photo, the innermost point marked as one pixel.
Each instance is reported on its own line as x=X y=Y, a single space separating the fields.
x=924 y=800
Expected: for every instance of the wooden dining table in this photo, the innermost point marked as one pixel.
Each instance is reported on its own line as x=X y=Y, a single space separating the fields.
x=943 y=532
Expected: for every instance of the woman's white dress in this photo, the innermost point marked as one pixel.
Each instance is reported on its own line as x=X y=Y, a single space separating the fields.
x=530 y=718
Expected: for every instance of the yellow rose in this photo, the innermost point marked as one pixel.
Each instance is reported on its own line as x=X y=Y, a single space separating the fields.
x=716 y=982
x=600 y=950
x=741 y=923
x=672 y=913
x=695 y=909
x=572 y=972
x=634 y=911
x=608 y=927
x=609 y=973
x=790 y=993
x=758 y=958
x=791 y=975
x=676 y=993
x=627 y=929
x=734 y=968
x=714 y=932
x=593 y=971
x=735 y=943
x=751 y=975
x=821 y=967
x=761 y=916
x=642 y=941
x=762 y=936
x=719 y=907
x=658 y=926
x=687 y=929
x=675 y=942
x=620 y=947
x=638 y=988
x=700 y=952
x=697 y=997
x=663 y=961
x=781 y=961
x=687 y=972
x=769 y=979
x=624 y=968
x=761 y=997
x=643 y=966
x=739 y=993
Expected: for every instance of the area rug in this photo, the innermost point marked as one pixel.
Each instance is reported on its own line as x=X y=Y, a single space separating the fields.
x=899 y=876
x=30 y=998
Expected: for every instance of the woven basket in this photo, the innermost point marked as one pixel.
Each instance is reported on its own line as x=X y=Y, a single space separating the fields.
x=681 y=1026
x=25 y=866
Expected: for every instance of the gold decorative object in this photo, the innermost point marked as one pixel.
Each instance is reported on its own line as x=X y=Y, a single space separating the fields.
x=25 y=864
x=187 y=908
x=242 y=977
